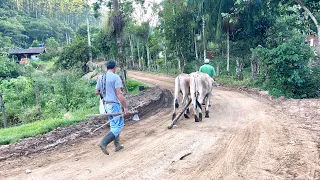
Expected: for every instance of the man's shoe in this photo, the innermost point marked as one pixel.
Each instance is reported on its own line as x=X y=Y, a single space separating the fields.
x=105 y=141
x=117 y=144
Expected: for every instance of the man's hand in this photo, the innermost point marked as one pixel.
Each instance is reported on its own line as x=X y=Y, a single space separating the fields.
x=122 y=101
x=126 y=112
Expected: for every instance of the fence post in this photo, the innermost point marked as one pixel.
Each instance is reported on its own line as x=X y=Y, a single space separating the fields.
x=38 y=101
x=5 y=123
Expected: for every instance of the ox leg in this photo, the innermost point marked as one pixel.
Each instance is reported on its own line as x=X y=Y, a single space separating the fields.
x=201 y=100
x=195 y=109
x=174 y=114
x=208 y=104
x=184 y=104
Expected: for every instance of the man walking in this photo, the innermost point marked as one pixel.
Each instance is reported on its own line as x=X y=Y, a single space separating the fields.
x=208 y=69
x=109 y=88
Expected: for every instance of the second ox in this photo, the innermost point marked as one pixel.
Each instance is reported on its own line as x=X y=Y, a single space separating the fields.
x=201 y=88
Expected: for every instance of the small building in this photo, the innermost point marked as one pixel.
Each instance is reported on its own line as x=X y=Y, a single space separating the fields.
x=312 y=40
x=31 y=53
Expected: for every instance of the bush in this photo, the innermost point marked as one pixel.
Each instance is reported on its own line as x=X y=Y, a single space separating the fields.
x=29 y=115
x=49 y=56
x=51 y=45
x=76 y=55
x=287 y=71
x=9 y=69
x=133 y=86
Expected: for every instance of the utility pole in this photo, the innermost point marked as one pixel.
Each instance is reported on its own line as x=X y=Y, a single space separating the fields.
x=5 y=123
x=89 y=41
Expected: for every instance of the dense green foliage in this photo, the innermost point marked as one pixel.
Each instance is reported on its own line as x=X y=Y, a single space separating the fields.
x=60 y=92
x=8 y=69
x=22 y=22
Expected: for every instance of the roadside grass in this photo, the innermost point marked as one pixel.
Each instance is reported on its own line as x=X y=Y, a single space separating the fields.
x=233 y=81
x=14 y=134
x=133 y=86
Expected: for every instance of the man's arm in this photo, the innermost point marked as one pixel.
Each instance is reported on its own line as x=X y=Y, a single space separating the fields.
x=97 y=92
x=122 y=101
x=214 y=74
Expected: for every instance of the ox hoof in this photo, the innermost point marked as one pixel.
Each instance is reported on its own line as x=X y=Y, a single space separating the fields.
x=186 y=116
x=176 y=104
x=196 y=119
x=200 y=116
x=207 y=114
x=174 y=116
x=188 y=111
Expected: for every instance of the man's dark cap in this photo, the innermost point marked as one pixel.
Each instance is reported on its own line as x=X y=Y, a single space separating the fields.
x=111 y=64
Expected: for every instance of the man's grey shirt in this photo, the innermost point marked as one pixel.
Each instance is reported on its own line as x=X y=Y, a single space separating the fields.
x=112 y=81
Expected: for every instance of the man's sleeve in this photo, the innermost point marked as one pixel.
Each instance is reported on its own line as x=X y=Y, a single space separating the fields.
x=98 y=86
x=214 y=72
x=118 y=83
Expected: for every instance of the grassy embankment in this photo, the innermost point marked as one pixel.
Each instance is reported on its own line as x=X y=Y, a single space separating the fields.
x=13 y=134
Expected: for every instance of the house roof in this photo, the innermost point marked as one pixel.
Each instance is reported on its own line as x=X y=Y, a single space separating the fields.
x=27 y=51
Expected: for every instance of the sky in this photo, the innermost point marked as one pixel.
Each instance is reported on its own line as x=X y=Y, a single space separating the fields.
x=142 y=16
x=139 y=15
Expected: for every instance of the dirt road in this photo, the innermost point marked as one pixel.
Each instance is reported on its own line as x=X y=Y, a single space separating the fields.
x=244 y=138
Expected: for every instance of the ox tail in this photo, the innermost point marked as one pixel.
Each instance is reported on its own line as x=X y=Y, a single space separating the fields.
x=197 y=95
x=176 y=92
x=198 y=104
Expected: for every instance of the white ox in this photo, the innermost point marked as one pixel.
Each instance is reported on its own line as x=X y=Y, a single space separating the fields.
x=182 y=85
x=201 y=87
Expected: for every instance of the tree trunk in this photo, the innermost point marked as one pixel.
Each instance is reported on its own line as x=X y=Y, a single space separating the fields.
x=239 y=68
x=67 y=38
x=89 y=41
x=38 y=102
x=254 y=67
x=157 y=65
x=165 y=57
x=119 y=32
x=179 y=65
x=195 y=46
x=148 y=56
x=28 y=7
x=115 y=5
x=5 y=123
x=131 y=49
x=178 y=59
x=218 y=69
x=204 y=39
x=140 y=68
x=228 y=53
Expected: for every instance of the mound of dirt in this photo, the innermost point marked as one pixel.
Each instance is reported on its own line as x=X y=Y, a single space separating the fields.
x=146 y=103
